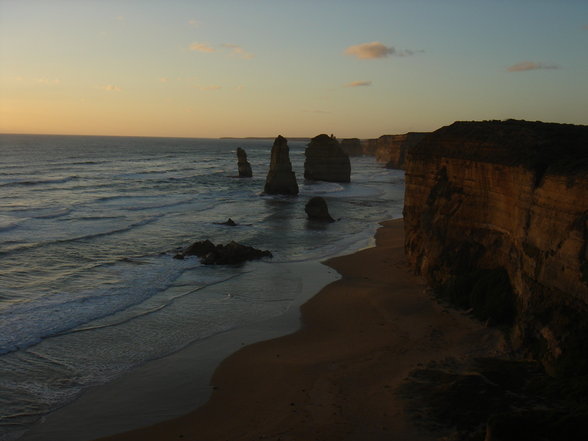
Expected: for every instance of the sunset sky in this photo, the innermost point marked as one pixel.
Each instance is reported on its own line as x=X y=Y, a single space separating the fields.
x=292 y=67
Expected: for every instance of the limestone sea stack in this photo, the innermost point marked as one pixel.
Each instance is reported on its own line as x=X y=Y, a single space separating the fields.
x=280 y=178
x=243 y=165
x=326 y=161
x=316 y=209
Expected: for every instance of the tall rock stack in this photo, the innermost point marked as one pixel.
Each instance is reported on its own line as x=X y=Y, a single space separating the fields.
x=326 y=161
x=243 y=165
x=280 y=178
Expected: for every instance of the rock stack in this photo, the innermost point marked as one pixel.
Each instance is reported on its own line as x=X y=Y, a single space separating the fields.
x=326 y=161
x=280 y=178
x=316 y=209
x=243 y=165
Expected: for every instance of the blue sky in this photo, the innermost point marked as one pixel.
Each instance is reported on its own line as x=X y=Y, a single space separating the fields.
x=299 y=68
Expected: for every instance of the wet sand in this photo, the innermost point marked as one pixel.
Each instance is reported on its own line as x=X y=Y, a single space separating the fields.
x=335 y=378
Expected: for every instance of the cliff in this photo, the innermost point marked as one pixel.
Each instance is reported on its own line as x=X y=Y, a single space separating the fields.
x=496 y=218
x=392 y=149
x=326 y=161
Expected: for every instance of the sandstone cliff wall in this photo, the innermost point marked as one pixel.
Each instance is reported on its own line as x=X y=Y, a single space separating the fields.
x=496 y=217
x=392 y=149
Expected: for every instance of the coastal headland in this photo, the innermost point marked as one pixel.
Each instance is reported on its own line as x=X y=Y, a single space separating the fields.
x=336 y=378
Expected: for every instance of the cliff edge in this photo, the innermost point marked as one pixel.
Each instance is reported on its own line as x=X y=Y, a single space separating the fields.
x=496 y=218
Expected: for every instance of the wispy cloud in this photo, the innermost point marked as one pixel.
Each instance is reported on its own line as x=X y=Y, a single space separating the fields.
x=238 y=51
x=585 y=27
x=375 y=49
x=47 y=81
x=119 y=18
x=111 y=88
x=209 y=88
x=163 y=80
x=201 y=47
x=194 y=23
x=322 y=112
x=531 y=65
x=358 y=84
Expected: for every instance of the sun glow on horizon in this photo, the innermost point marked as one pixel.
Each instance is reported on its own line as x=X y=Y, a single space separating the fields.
x=169 y=69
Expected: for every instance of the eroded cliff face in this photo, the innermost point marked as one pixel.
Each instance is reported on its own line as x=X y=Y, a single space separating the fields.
x=391 y=149
x=496 y=217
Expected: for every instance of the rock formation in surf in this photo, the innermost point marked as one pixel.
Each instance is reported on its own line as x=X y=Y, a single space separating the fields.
x=496 y=218
x=326 y=161
x=316 y=209
x=243 y=165
x=280 y=178
x=230 y=254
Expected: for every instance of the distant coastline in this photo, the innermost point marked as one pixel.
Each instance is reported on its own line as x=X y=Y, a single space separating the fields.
x=264 y=137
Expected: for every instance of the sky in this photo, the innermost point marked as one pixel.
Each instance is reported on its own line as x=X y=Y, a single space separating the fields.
x=291 y=67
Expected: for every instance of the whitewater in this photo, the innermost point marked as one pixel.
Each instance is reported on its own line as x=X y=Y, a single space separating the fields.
x=89 y=288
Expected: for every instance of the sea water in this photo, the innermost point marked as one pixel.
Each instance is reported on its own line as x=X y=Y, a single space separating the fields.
x=89 y=288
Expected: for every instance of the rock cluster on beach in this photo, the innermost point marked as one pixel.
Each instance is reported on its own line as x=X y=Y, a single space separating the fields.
x=316 y=209
x=280 y=178
x=230 y=254
x=326 y=161
x=243 y=165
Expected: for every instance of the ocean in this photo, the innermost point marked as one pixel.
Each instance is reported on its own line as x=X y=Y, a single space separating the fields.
x=89 y=288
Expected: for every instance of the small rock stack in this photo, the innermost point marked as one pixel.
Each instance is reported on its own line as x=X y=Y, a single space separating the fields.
x=243 y=165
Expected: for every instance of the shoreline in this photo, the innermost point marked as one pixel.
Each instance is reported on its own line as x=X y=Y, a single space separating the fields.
x=175 y=384
x=335 y=378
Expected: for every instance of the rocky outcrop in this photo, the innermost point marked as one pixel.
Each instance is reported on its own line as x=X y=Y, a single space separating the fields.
x=496 y=218
x=316 y=209
x=280 y=178
x=352 y=146
x=392 y=149
x=243 y=165
x=325 y=161
x=230 y=254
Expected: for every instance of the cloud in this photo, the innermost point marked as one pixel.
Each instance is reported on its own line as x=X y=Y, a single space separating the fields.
x=208 y=88
x=358 y=84
x=238 y=51
x=194 y=23
x=201 y=47
x=163 y=80
x=119 y=18
x=375 y=49
x=585 y=27
x=111 y=88
x=47 y=81
x=531 y=65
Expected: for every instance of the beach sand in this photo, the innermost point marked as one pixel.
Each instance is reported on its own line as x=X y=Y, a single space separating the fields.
x=335 y=378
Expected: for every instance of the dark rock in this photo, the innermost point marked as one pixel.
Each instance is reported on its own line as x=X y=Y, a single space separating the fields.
x=230 y=222
x=196 y=249
x=326 y=161
x=230 y=254
x=317 y=209
x=243 y=165
x=280 y=178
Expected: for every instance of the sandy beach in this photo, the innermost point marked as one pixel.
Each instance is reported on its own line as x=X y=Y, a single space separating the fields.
x=335 y=378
